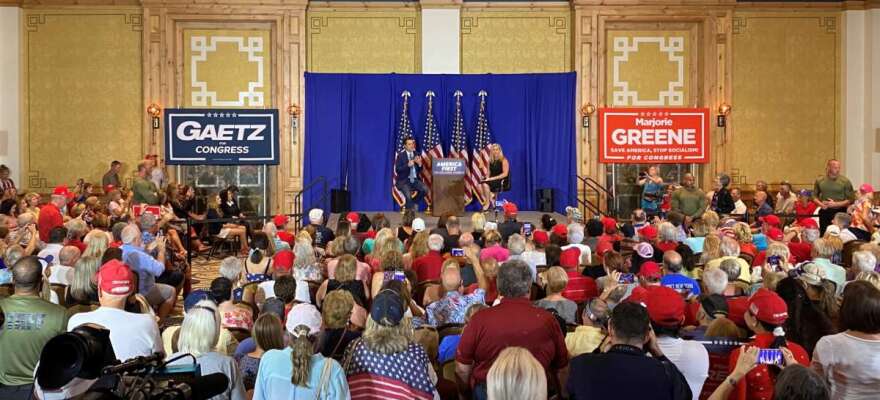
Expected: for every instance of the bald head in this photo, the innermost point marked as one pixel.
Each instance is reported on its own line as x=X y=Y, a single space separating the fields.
x=450 y=276
x=672 y=261
x=465 y=240
x=68 y=255
x=27 y=274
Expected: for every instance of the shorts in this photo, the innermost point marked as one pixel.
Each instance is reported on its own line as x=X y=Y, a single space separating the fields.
x=159 y=293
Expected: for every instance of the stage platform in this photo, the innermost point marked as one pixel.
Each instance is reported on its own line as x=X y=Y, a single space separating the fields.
x=431 y=221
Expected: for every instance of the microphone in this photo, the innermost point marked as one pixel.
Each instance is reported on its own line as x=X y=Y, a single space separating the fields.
x=208 y=386
x=133 y=364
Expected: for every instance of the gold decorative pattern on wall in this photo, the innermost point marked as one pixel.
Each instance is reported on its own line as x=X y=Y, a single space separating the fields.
x=360 y=41
x=82 y=95
x=227 y=68
x=786 y=96
x=648 y=68
x=508 y=41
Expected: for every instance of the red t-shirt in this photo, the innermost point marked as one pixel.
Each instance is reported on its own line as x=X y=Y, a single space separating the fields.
x=514 y=322
x=50 y=217
x=748 y=248
x=758 y=383
x=427 y=267
x=580 y=288
x=666 y=246
x=801 y=251
x=78 y=244
x=801 y=209
x=287 y=237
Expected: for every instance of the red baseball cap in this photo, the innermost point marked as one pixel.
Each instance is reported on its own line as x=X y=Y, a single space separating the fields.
x=648 y=232
x=61 y=190
x=775 y=234
x=353 y=217
x=650 y=269
x=603 y=246
x=771 y=220
x=115 y=278
x=610 y=224
x=283 y=260
x=560 y=230
x=510 y=209
x=665 y=306
x=570 y=257
x=809 y=223
x=768 y=307
x=736 y=310
x=866 y=188
x=280 y=220
x=540 y=237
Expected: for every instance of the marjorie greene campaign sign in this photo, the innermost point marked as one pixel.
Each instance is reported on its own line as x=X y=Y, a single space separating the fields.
x=653 y=135
x=221 y=136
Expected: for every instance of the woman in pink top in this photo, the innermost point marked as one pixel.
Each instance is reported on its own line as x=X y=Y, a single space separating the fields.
x=493 y=247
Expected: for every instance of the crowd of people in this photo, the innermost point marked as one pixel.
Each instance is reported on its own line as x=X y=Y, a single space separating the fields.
x=686 y=302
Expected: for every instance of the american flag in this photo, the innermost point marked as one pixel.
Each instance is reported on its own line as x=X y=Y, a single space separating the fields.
x=398 y=376
x=404 y=131
x=458 y=148
x=480 y=166
x=432 y=147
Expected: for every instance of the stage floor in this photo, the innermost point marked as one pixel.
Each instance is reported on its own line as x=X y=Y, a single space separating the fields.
x=430 y=221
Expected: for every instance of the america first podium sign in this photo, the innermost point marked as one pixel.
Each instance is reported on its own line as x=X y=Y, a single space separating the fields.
x=448 y=186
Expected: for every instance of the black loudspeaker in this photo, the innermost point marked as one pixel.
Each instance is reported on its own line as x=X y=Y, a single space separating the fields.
x=545 y=200
x=340 y=201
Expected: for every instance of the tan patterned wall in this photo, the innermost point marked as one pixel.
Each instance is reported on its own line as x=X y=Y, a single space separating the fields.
x=786 y=96
x=227 y=68
x=516 y=41
x=82 y=94
x=378 y=41
x=648 y=68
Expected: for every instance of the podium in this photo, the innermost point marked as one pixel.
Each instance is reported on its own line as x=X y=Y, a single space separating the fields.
x=448 y=191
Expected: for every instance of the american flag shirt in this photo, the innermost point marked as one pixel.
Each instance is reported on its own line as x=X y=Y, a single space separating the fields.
x=399 y=376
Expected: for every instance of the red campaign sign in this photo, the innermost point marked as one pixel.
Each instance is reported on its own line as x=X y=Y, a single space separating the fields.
x=654 y=135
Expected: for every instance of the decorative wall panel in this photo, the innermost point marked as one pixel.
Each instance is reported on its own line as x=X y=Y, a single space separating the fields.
x=516 y=41
x=227 y=68
x=82 y=95
x=378 y=41
x=786 y=96
x=649 y=68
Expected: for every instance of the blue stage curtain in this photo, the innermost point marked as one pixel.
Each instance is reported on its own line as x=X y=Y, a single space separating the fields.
x=351 y=122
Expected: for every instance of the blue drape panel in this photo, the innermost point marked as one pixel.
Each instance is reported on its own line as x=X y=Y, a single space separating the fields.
x=351 y=122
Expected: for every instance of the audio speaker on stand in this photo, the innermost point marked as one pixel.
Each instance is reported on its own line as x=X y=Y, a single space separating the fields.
x=545 y=200
x=340 y=201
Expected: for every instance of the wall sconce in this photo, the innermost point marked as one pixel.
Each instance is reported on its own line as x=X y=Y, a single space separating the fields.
x=294 y=111
x=154 y=110
x=586 y=111
x=723 y=110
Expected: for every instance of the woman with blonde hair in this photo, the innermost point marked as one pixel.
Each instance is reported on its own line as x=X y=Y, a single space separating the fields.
x=516 y=374
x=711 y=248
x=336 y=311
x=556 y=280
x=478 y=222
x=346 y=280
x=743 y=234
x=418 y=248
x=83 y=289
x=96 y=242
x=390 y=268
x=499 y=175
x=199 y=334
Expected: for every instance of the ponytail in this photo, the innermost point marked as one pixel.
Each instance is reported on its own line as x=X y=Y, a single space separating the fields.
x=778 y=338
x=301 y=356
x=256 y=256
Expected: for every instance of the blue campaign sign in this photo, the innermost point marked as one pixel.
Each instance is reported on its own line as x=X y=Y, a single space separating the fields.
x=448 y=166
x=221 y=136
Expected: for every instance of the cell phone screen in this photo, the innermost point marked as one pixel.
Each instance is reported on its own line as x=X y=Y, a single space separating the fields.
x=770 y=357
x=399 y=276
x=457 y=252
x=527 y=229
x=626 y=278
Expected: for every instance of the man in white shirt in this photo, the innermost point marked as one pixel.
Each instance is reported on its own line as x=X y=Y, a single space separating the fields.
x=575 y=239
x=739 y=208
x=666 y=310
x=62 y=272
x=49 y=254
x=131 y=334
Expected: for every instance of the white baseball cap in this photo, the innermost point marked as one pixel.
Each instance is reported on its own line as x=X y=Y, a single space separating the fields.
x=418 y=224
x=490 y=226
x=303 y=314
x=315 y=215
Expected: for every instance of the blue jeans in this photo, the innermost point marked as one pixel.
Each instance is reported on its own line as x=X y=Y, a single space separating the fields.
x=406 y=187
x=479 y=392
x=22 y=392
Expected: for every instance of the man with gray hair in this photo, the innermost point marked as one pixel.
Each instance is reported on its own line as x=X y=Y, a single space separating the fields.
x=822 y=253
x=673 y=277
x=516 y=244
x=730 y=251
x=427 y=267
x=842 y=221
x=575 y=235
x=513 y=322
x=230 y=268
x=863 y=261
x=715 y=281
x=148 y=269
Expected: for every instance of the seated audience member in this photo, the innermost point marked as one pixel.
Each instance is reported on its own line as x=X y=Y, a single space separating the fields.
x=850 y=361
x=514 y=322
x=516 y=245
x=575 y=237
x=842 y=221
x=608 y=374
x=666 y=311
x=29 y=322
x=668 y=238
x=765 y=316
x=794 y=382
x=345 y=274
x=55 y=243
x=159 y=295
x=417 y=248
x=82 y=291
x=427 y=267
x=822 y=254
x=199 y=335
x=305 y=269
x=578 y=288
x=386 y=359
x=510 y=225
x=226 y=343
x=232 y=315
x=589 y=336
x=516 y=374
x=282 y=265
x=449 y=344
x=62 y=272
x=231 y=268
x=299 y=371
x=258 y=264
x=486 y=273
x=336 y=312
x=493 y=247
x=556 y=281
x=266 y=336
x=350 y=246
x=862 y=261
x=820 y=291
x=391 y=268
x=735 y=287
x=730 y=251
x=675 y=279
x=453 y=306
x=743 y=235
x=131 y=334
x=648 y=279
x=323 y=235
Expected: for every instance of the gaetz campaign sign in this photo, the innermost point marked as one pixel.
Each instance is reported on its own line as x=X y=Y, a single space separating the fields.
x=221 y=136
x=654 y=135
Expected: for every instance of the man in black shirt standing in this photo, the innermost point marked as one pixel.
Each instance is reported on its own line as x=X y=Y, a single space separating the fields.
x=510 y=224
x=624 y=370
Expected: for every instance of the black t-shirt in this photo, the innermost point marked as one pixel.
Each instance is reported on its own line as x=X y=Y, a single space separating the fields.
x=610 y=376
x=333 y=342
x=508 y=228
